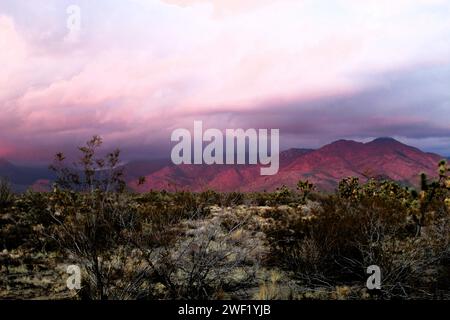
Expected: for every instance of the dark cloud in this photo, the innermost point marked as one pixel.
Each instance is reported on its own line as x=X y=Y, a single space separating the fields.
x=410 y=104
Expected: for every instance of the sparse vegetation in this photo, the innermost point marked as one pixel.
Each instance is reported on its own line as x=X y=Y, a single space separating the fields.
x=6 y=194
x=273 y=245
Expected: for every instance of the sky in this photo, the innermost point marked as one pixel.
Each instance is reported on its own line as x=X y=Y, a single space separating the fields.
x=318 y=70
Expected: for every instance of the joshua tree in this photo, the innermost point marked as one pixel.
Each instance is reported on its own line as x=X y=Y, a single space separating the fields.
x=431 y=191
x=305 y=188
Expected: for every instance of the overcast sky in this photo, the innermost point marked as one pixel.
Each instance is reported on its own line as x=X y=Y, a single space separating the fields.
x=318 y=70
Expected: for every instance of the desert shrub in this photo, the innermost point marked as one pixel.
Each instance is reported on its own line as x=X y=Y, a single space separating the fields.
x=27 y=223
x=360 y=226
x=6 y=194
x=260 y=198
x=160 y=222
x=285 y=196
x=210 y=197
x=270 y=288
x=125 y=242
x=120 y=239
x=162 y=213
x=281 y=196
x=209 y=261
x=98 y=231
x=96 y=222
x=189 y=205
x=233 y=199
x=91 y=172
x=288 y=232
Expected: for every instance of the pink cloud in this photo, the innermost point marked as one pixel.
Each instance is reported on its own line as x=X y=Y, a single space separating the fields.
x=134 y=82
x=224 y=7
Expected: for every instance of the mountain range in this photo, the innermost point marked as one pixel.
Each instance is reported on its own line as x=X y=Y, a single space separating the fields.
x=325 y=167
x=22 y=178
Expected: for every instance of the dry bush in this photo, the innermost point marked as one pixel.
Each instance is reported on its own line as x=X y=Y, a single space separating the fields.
x=209 y=261
x=25 y=223
x=96 y=222
x=98 y=231
x=359 y=227
x=6 y=194
x=270 y=289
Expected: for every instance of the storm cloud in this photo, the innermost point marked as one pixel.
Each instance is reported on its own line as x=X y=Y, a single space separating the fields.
x=317 y=70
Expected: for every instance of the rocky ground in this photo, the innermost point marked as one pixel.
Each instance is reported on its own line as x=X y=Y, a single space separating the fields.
x=32 y=275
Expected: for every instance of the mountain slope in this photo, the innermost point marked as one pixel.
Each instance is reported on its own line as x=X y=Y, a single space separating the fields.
x=325 y=167
x=21 y=178
x=383 y=157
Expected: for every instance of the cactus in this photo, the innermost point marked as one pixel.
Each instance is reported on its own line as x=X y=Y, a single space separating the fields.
x=423 y=182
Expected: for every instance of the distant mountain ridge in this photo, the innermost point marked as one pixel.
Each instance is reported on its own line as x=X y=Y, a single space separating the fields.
x=326 y=166
x=22 y=178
